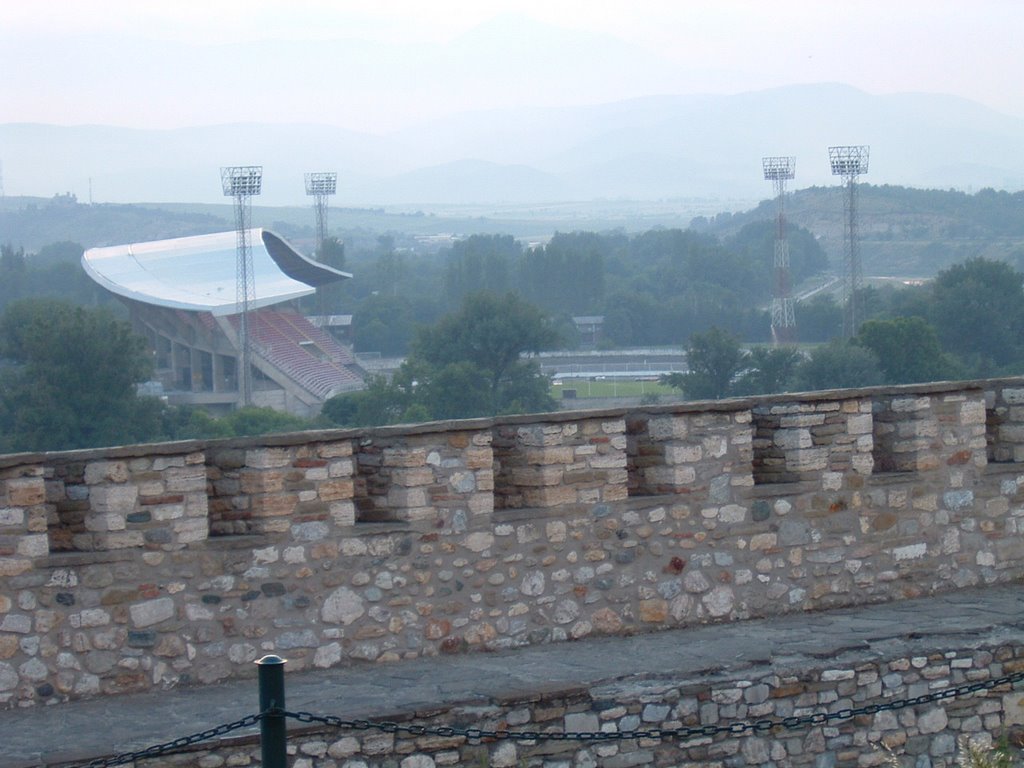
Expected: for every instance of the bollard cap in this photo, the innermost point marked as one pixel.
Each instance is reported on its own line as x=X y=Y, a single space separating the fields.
x=271 y=660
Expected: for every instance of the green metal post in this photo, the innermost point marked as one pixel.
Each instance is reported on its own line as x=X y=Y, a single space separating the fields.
x=273 y=727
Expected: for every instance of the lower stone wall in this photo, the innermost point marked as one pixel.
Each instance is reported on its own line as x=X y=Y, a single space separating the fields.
x=84 y=623
x=925 y=736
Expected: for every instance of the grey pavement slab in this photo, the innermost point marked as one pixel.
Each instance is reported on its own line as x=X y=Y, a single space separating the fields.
x=83 y=730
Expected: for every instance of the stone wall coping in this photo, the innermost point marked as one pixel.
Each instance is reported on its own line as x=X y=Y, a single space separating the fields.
x=436 y=427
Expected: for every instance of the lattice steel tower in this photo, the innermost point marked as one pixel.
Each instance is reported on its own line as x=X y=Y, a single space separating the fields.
x=778 y=170
x=850 y=162
x=243 y=182
x=320 y=186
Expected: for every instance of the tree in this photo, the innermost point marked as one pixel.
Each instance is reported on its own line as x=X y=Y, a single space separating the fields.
x=979 y=313
x=72 y=382
x=768 y=370
x=380 y=403
x=714 y=359
x=907 y=349
x=820 y=318
x=481 y=263
x=839 y=364
x=491 y=333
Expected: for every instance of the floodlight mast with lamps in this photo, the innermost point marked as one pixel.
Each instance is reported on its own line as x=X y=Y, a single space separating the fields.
x=779 y=170
x=320 y=186
x=243 y=182
x=849 y=162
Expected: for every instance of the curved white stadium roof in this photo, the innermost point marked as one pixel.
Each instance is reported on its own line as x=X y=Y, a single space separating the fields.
x=199 y=274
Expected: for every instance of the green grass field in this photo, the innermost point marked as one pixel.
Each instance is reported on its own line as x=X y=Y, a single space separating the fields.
x=610 y=388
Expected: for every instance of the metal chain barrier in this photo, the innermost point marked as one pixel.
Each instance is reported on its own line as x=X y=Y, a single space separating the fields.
x=737 y=728
x=685 y=733
x=160 y=749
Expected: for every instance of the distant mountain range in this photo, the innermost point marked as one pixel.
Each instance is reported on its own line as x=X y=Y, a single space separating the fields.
x=651 y=148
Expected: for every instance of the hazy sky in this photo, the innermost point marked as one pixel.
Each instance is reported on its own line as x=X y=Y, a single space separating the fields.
x=376 y=65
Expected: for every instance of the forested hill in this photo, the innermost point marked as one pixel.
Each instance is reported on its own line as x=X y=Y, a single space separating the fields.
x=903 y=231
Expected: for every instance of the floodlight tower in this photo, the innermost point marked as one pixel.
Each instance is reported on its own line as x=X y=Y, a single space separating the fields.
x=320 y=186
x=778 y=170
x=242 y=182
x=850 y=162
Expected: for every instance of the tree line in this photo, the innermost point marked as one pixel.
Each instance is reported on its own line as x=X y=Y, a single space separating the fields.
x=966 y=323
x=68 y=368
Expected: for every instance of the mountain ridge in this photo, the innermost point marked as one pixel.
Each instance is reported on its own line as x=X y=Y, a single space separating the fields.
x=693 y=144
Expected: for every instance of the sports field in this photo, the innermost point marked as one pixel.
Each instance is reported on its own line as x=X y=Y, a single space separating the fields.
x=609 y=388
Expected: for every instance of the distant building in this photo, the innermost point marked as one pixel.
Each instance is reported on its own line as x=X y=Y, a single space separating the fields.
x=181 y=296
x=589 y=328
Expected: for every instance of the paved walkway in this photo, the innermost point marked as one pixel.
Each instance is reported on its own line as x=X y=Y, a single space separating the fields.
x=85 y=730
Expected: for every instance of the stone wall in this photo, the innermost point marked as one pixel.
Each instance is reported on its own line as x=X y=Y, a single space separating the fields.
x=924 y=735
x=151 y=566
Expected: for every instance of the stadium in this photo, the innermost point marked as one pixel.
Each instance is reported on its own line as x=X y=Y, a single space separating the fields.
x=181 y=297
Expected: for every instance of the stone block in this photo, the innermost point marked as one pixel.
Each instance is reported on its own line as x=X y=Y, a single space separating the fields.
x=268 y=458
x=343 y=513
x=151 y=612
x=34 y=545
x=26 y=491
x=910 y=404
x=274 y=506
x=341 y=468
x=119 y=499
x=184 y=479
x=404 y=457
x=261 y=481
x=107 y=521
x=549 y=497
x=536 y=475
x=112 y=540
x=413 y=476
x=14 y=566
x=12 y=517
x=403 y=498
x=190 y=530
x=106 y=472
x=334 y=450
x=557 y=455
x=667 y=427
x=608 y=461
x=683 y=454
x=807 y=460
x=679 y=476
x=336 y=490
x=972 y=412
x=802 y=420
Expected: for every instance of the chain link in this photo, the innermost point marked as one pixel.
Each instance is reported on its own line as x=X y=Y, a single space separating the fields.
x=684 y=733
x=161 y=749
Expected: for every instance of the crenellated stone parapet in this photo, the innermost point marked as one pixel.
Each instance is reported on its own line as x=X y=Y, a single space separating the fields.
x=426 y=474
x=147 y=566
x=275 y=485
x=560 y=459
x=674 y=450
x=798 y=440
x=1004 y=419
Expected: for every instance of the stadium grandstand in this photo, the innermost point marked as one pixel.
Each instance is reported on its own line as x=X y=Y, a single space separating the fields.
x=181 y=296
